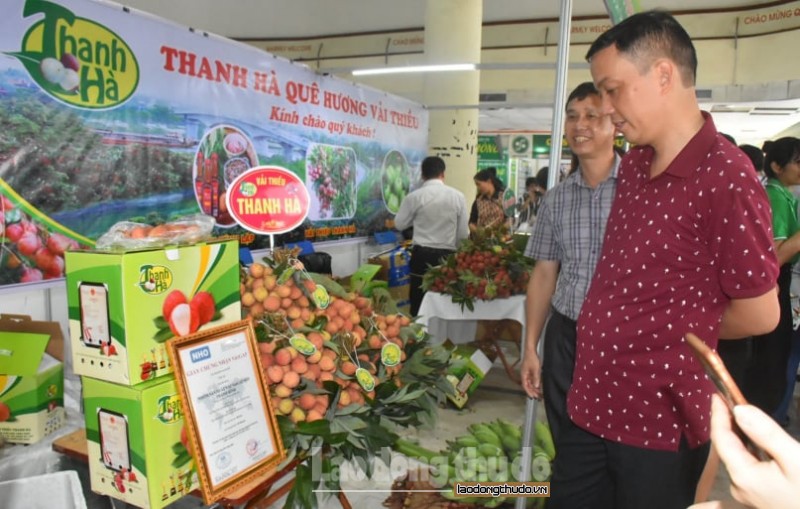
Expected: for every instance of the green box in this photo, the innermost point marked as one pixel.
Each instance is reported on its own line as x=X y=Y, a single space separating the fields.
x=31 y=379
x=139 y=456
x=117 y=303
x=469 y=366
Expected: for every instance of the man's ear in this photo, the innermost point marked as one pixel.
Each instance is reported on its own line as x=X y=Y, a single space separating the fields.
x=665 y=73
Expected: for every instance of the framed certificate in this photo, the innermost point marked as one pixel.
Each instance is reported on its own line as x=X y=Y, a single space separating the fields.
x=227 y=410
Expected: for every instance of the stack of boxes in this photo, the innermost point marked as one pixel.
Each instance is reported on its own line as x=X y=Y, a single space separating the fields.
x=31 y=379
x=122 y=309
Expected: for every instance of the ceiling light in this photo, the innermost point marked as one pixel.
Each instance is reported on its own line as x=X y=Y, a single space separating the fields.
x=415 y=68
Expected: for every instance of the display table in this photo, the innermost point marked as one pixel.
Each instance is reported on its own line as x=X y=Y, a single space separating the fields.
x=446 y=320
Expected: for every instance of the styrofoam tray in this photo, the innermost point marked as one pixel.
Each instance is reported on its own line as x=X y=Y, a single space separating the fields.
x=59 y=489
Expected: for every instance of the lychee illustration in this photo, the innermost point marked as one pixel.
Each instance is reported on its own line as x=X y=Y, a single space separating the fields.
x=183 y=320
x=203 y=306
x=174 y=298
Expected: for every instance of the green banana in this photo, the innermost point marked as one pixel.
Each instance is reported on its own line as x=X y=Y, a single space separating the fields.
x=480 y=426
x=467 y=441
x=511 y=444
x=540 y=468
x=490 y=450
x=545 y=438
x=488 y=437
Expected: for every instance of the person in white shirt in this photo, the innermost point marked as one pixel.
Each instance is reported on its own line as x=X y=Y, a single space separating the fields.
x=438 y=214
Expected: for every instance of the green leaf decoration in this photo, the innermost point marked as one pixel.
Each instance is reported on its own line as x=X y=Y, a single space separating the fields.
x=160 y=322
x=163 y=335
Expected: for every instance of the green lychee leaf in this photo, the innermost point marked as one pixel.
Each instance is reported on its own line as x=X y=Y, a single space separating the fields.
x=160 y=322
x=181 y=459
x=163 y=334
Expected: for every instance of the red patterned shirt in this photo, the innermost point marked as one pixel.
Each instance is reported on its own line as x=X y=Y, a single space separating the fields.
x=678 y=247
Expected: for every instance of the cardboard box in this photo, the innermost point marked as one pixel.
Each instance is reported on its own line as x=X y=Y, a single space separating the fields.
x=469 y=366
x=133 y=440
x=31 y=379
x=117 y=303
x=395 y=270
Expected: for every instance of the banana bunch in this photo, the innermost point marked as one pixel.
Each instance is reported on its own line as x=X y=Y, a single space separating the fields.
x=491 y=452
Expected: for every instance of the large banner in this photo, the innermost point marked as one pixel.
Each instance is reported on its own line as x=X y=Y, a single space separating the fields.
x=107 y=114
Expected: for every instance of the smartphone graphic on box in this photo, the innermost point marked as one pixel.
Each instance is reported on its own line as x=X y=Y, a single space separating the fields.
x=727 y=388
x=114 y=441
x=93 y=299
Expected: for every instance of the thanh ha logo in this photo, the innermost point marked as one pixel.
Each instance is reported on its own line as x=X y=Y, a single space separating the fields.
x=75 y=60
x=154 y=279
x=169 y=409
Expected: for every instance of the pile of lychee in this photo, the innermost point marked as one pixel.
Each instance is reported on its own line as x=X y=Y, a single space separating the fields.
x=308 y=344
x=27 y=248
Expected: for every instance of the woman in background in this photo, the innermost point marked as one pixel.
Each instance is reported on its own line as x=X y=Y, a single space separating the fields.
x=766 y=376
x=535 y=187
x=487 y=209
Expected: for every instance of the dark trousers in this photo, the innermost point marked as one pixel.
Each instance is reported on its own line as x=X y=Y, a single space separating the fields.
x=766 y=377
x=592 y=473
x=558 y=363
x=421 y=258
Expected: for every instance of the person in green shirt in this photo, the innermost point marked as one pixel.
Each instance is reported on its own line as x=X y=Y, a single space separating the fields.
x=766 y=376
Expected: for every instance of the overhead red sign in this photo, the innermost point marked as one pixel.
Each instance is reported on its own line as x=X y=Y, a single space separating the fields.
x=268 y=200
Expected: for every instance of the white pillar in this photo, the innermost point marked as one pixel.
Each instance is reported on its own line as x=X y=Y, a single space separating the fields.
x=453 y=36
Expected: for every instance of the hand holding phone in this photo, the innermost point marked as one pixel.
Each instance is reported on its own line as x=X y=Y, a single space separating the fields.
x=727 y=388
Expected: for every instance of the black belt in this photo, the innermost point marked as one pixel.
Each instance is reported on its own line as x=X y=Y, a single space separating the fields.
x=431 y=250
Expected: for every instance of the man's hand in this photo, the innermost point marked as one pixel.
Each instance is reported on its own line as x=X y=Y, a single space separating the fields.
x=531 y=374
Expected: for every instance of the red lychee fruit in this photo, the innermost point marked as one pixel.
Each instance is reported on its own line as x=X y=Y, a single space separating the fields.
x=174 y=298
x=30 y=275
x=58 y=243
x=5 y=412
x=203 y=306
x=185 y=439
x=183 y=320
x=14 y=231
x=43 y=258
x=28 y=243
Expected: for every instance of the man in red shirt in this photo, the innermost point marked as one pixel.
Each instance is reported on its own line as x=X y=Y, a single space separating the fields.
x=688 y=248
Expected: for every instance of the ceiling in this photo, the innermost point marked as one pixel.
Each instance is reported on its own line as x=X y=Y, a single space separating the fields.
x=286 y=19
x=281 y=19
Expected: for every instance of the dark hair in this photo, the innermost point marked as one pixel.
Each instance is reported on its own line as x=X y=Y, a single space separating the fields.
x=541 y=176
x=781 y=152
x=581 y=92
x=530 y=181
x=729 y=138
x=647 y=36
x=755 y=154
x=490 y=175
x=432 y=167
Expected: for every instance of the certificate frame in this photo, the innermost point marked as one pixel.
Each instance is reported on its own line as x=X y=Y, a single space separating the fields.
x=222 y=390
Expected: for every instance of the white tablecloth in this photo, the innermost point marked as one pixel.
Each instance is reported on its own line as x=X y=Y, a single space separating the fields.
x=446 y=320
